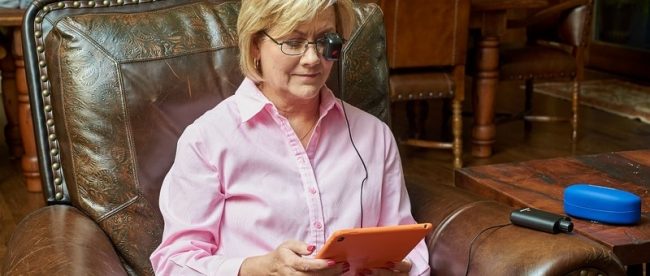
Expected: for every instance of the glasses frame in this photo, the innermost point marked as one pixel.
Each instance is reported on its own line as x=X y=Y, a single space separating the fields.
x=319 y=50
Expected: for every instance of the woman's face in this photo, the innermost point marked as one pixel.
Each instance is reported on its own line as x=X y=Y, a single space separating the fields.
x=297 y=77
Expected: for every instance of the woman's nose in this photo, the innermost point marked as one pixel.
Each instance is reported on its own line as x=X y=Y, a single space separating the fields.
x=312 y=54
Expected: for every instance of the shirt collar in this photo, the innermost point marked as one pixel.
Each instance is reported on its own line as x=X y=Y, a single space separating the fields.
x=250 y=100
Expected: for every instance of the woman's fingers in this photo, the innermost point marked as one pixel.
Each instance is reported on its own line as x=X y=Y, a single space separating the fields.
x=291 y=253
x=403 y=266
x=306 y=265
x=298 y=247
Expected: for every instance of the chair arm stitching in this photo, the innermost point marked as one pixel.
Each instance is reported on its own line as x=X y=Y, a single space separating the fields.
x=118 y=209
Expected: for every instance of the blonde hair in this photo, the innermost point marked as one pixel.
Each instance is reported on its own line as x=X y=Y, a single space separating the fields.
x=283 y=16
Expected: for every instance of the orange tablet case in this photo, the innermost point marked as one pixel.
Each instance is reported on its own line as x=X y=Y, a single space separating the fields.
x=373 y=247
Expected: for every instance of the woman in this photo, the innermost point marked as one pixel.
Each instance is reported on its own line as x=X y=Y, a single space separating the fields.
x=261 y=180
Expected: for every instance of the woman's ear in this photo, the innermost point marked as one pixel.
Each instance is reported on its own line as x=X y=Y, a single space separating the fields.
x=255 y=50
x=256 y=54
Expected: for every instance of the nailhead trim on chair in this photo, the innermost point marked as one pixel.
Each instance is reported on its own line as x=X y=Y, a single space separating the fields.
x=542 y=76
x=421 y=95
x=45 y=82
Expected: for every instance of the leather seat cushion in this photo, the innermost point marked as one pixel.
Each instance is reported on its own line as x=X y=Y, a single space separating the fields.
x=430 y=85
x=536 y=62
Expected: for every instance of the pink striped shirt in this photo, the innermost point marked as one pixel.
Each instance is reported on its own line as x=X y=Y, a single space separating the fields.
x=242 y=183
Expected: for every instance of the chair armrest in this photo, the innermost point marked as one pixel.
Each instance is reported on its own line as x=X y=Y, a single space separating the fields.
x=459 y=220
x=60 y=240
x=548 y=14
x=555 y=11
x=565 y=22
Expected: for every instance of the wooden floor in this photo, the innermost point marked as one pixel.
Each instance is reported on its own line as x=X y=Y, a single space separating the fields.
x=599 y=132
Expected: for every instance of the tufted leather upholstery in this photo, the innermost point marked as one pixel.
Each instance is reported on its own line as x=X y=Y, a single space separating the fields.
x=112 y=86
x=117 y=88
x=557 y=39
x=426 y=43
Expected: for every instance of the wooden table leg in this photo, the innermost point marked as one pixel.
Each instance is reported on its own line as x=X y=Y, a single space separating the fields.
x=29 y=159
x=10 y=104
x=484 y=92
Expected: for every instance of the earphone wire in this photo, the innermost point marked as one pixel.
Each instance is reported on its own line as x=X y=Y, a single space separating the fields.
x=471 y=243
x=365 y=168
x=347 y=121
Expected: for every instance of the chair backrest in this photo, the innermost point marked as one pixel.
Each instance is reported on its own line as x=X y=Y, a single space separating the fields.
x=114 y=83
x=426 y=33
x=564 y=21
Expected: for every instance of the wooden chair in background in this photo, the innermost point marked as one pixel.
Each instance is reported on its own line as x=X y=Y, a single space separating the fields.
x=19 y=132
x=557 y=37
x=426 y=44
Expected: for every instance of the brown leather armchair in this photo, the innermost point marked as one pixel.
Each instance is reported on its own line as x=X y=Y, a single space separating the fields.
x=427 y=44
x=112 y=86
x=557 y=38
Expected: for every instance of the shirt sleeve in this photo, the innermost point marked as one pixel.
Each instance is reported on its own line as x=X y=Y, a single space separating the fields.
x=192 y=204
x=396 y=206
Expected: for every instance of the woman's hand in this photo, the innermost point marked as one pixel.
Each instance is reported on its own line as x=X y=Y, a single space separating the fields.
x=287 y=260
x=401 y=268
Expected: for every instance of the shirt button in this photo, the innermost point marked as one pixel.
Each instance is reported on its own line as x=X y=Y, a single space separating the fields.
x=318 y=225
x=312 y=190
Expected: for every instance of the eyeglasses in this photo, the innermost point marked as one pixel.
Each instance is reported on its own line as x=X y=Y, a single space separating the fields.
x=297 y=47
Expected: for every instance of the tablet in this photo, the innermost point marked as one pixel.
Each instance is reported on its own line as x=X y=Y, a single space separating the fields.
x=373 y=247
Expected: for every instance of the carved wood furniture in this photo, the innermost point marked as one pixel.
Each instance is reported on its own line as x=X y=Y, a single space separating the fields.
x=427 y=44
x=19 y=131
x=554 y=50
x=489 y=16
x=540 y=184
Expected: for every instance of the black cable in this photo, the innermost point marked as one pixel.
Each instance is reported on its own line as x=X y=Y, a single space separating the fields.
x=471 y=244
x=347 y=122
x=341 y=77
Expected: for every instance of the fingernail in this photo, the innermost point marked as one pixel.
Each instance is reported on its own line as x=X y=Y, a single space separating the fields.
x=331 y=262
x=311 y=248
x=390 y=264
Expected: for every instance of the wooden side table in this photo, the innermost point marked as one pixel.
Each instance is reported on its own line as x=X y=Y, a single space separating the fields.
x=20 y=130
x=540 y=184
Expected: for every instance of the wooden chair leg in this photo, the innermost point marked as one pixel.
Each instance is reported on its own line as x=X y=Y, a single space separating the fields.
x=575 y=101
x=458 y=134
x=412 y=131
x=528 y=104
x=528 y=100
x=446 y=124
x=423 y=115
x=10 y=102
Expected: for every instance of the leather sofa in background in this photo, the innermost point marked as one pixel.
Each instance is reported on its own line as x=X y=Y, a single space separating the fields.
x=114 y=83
